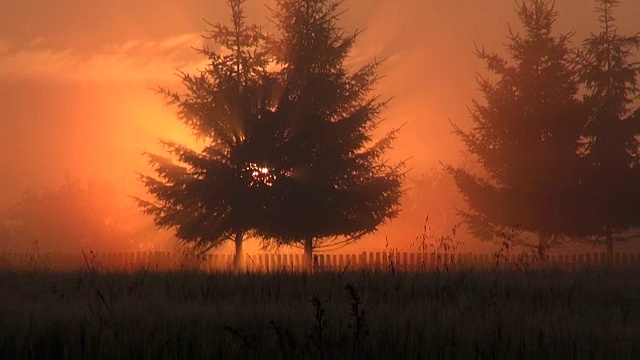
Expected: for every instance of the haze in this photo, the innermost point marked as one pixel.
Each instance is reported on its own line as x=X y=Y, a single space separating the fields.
x=75 y=76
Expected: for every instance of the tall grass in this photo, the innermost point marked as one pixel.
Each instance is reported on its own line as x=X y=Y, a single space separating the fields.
x=327 y=315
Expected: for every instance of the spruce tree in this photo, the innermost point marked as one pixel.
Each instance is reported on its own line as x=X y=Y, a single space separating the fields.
x=525 y=138
x=611 y=178
x=219 y=193
x=338 y=187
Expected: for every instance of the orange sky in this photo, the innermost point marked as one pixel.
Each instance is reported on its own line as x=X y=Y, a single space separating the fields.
x=75 y=75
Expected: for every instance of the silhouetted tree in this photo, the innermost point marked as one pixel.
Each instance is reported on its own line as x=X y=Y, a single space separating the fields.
x=338 y=186
x=76 y=216
x=611 y=180
x=525 y=137
x=219 y=193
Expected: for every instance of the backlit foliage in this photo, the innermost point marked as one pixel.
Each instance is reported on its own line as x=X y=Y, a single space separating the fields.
x=289 y=154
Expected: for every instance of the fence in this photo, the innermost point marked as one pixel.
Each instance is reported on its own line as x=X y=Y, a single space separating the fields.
x=295 y=261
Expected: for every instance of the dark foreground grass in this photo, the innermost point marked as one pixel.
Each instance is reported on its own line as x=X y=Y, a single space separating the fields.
x=371 y=315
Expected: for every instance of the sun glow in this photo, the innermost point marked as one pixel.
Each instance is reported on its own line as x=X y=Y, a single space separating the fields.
x=261 y=174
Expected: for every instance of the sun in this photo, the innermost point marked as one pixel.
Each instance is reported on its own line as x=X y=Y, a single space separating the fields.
x=261 y=174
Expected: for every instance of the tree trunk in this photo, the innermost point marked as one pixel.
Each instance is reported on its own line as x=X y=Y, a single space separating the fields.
x=543 y=244
x=609 y=234
x=308 y=253
x=237 y=261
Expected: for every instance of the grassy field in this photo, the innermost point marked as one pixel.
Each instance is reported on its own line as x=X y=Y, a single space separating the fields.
x=340 y=315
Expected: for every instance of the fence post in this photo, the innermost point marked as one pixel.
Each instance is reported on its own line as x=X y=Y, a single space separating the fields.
x=420 y=260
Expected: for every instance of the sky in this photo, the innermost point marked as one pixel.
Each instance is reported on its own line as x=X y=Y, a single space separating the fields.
x=77 y=76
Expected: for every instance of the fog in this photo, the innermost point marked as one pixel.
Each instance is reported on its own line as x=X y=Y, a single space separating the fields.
x=76 y=79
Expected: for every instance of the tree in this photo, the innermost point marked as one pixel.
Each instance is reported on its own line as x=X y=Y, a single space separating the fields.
x=611 y=135
x=525 y=137
x=220 y=192
x=337 y=187
x=76 y=216
x=432 y=194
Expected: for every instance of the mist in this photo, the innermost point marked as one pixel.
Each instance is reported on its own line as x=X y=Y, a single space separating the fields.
x=77 y=80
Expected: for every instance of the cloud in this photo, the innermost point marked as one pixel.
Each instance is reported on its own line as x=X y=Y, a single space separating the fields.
x=133 y=60
x=184 y=40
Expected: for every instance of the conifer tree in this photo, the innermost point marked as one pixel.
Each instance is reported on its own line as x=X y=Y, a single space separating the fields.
x=611 y=180
x=339 y=186
x=525 y=138
x=219 y=193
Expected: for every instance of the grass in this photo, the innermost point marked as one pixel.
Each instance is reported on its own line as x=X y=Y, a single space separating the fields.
x=334 y=315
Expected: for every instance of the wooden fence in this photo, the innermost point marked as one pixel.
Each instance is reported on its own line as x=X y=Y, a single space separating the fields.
x=295 y=261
